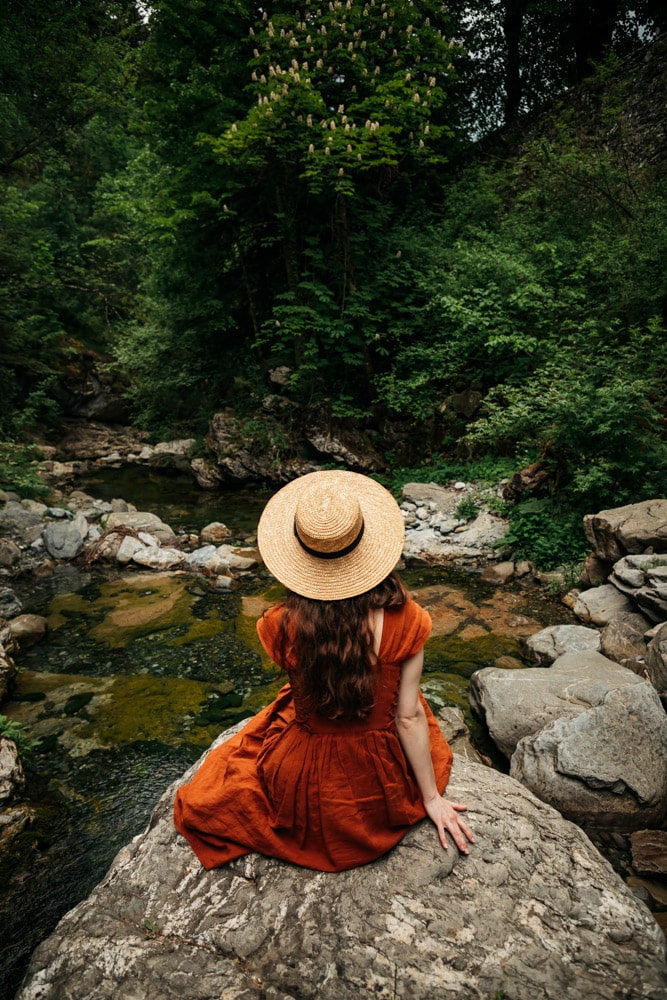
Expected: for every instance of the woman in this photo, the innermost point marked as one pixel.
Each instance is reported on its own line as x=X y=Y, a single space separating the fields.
x=349 y=756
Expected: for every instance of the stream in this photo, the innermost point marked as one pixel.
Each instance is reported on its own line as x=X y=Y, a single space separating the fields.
x=140 y=672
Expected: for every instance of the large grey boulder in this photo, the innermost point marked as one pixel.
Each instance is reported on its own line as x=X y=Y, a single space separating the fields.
x=627 y=530
x=602 y=604
x=533 y=912
x=518 y=703
x=623 y=640
x=547 y=645
x=644 y=580
x=605 y=767
x=65 y=539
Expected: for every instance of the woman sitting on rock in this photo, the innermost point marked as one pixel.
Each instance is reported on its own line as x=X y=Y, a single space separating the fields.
x=348 y=757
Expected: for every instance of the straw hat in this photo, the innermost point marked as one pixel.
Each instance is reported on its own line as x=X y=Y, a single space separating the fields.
x=330 y=535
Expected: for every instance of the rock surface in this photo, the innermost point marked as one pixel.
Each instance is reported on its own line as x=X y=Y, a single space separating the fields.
x=519 y=703
x=605 y=767
x=602 y=604
x=12 y=779
x=534 y=911
x=65 y=539
x=644 y=579
x=141 y=521
x=547 y=645
x=656 y=658
x=628 y=530
x=435 y=534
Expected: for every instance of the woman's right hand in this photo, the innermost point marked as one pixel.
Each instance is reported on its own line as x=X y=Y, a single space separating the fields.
x=445 y=816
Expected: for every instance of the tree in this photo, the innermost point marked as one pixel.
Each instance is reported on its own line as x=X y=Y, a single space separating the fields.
x=64 y=73
x=331 y=125
x=522 y=52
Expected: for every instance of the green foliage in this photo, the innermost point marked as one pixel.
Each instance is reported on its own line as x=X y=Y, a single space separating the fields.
x=64 y=79
x=467 y=509
x=19 y=466
x=546 y=533
x=594 y=414
x=485 y=471
x=14 y=731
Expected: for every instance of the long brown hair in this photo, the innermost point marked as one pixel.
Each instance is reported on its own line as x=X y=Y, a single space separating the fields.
x=332 y=644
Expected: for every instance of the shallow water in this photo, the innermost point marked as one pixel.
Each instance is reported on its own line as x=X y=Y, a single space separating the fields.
x=140 y=671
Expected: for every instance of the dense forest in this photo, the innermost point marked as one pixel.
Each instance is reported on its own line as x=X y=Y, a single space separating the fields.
x=394 y=205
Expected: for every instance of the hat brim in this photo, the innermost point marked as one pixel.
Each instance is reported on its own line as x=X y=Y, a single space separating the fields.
x=373 y=558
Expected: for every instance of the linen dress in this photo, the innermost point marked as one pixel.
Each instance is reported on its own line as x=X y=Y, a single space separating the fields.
x=323 y=794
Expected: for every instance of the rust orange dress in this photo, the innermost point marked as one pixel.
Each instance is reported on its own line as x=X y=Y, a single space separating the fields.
x=323 y=794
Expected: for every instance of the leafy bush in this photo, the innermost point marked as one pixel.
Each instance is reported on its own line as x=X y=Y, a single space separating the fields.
x=467 y=509
x=19 y=464
x=14 y=731
x=594 y=415
x=546 y=533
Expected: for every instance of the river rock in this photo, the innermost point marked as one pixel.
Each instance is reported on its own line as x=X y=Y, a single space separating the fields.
x=91 y=440
x=534 y=911
x=10 y=605
x=601 y=604
x=346 y=446
x=153 y=557
x=7 y=673
x=499 y=573
x=656 y=658
x=623 y=641
x=214 y=533
x=65 y=539
x=12 y=778
x=168 y=454
x=456 y=732
x=547 y=645
x=206 y=473
x=238 y=558
x=472 y=542
x=124 y=547
x=628 y=530
x=519 y=703
x=27 y=630
x=10 y=553
x=607 y=765
x=644 y=579
x=595 y=571
x=20 y=524
x=141 y=521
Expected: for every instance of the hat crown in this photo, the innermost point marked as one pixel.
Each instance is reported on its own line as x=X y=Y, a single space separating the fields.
x=327 y=521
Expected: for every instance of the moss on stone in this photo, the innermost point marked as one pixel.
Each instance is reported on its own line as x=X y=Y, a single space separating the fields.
x=447 y=652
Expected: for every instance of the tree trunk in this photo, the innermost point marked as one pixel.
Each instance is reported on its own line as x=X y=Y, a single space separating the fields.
x=512 y=29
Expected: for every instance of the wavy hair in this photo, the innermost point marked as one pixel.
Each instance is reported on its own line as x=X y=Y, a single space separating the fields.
x=332 y=644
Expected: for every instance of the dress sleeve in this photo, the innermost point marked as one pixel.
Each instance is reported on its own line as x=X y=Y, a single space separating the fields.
x=412 y=628
x=268 y=630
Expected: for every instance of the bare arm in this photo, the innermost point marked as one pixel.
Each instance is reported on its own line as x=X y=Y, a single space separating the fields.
x=412 y=729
